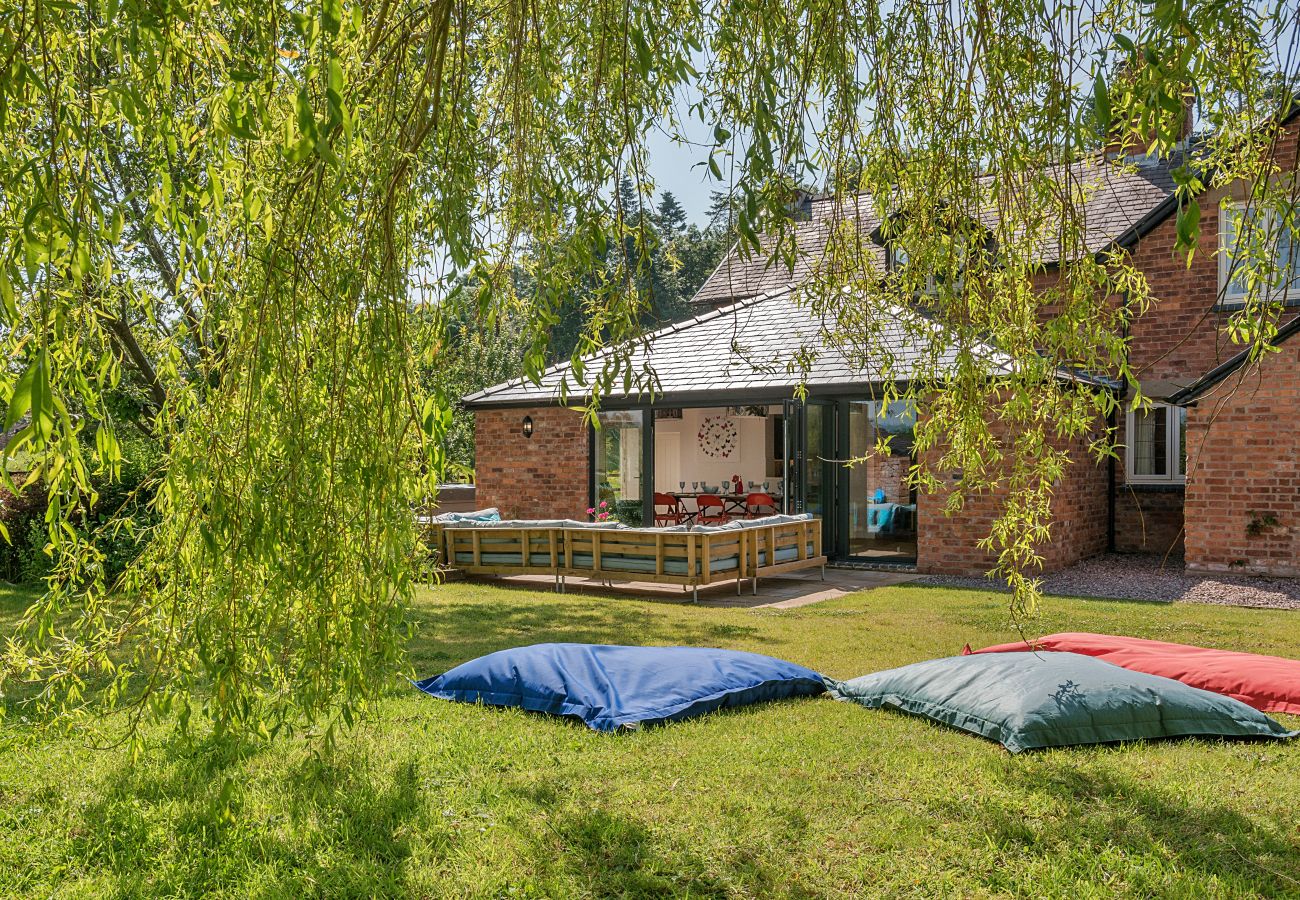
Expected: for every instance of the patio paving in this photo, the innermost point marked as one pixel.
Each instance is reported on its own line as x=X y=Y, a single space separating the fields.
x=778 y=592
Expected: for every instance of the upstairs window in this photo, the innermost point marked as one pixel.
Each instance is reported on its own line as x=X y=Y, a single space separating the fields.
x=898 y=260
x=1242 y=227
x=1157 y=445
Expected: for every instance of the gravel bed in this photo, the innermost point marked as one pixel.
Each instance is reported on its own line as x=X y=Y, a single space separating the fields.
x=1143 y=577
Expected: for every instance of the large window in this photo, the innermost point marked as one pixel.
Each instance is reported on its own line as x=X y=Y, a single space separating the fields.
x=618 y=464
x=1267 y=234
x=1157 y=445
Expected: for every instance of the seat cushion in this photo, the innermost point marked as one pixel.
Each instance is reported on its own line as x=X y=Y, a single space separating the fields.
x=733 y=525
x=488 y=558
x=491 y=514
x=617 y=562
x=785 y=554
x=1030 y=700
x=614 y=687
x=780 y=519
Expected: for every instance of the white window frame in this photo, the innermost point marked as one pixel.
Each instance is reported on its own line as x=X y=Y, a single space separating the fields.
x=1174 y=460
x=1227 y=212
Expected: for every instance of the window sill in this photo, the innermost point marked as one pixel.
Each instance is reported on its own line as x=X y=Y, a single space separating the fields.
x=1230 y=305
x=1156 y=487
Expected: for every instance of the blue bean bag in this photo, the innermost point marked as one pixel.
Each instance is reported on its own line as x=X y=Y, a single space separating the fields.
x=1026 y=701
x=612 y=687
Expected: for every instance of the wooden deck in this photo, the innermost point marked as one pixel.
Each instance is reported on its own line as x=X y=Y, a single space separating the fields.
x=786 y=591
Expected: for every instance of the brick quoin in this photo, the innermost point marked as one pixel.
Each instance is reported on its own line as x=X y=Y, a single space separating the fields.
x=541 y=477
x=1243 y=481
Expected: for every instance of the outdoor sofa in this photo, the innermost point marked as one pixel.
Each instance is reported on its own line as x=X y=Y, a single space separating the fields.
x=692 y=557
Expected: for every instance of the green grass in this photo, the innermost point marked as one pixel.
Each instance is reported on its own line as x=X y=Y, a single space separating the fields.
x=805 y=798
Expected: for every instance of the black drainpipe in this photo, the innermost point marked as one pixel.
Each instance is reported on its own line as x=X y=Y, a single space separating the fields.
x=1110 y=491
x=1111 y=423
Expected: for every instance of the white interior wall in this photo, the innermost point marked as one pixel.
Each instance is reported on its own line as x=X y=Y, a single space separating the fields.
x=748 y=459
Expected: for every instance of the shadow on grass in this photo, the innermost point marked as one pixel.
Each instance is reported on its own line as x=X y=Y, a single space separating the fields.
x=616 y=855
x=14 y=600
x=1100 y=813
x=361 y=827
x=451 y=633
x=187 y=827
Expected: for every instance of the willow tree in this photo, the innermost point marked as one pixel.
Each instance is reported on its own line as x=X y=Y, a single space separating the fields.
x=253 y=217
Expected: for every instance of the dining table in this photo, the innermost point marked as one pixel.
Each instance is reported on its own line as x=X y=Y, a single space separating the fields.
x=735 y=503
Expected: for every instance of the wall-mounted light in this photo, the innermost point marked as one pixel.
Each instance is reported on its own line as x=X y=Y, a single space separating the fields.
x=528 y=426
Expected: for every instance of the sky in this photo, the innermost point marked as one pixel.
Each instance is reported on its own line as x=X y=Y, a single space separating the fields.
x=673 y=167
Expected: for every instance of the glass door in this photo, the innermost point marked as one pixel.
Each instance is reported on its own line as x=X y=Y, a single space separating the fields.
x=809 y=464
x=796 y=445
x=816 y=477
x=879 y=521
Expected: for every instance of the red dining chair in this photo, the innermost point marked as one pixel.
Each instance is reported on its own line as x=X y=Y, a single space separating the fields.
x=674 y=514
x=707 y=502
x=759 y=504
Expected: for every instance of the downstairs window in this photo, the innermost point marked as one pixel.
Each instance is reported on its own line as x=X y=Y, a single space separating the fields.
x=1156 y=451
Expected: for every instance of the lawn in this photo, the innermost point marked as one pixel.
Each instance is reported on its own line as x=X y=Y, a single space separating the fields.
x=806 y=798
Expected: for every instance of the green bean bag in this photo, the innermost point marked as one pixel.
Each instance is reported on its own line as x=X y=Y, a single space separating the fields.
x=1026 y=701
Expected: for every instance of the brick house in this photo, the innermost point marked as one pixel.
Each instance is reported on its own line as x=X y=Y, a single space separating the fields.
x=1210 y=470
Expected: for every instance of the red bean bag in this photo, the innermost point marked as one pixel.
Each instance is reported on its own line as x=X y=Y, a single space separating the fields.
x=1268 y=683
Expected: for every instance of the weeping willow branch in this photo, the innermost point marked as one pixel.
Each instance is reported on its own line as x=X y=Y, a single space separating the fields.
x=264 y=212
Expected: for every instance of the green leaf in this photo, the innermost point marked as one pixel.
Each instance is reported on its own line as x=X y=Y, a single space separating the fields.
x=7 y=297
x=42 y=400
x=331 y=16
x=335 y=76
x=1101 y=105
x=238 y=122
x=306 y=120
x=21 y=401
x=1188 y=227
x=110 y=452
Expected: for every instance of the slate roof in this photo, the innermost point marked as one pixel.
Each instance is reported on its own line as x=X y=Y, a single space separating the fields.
x=749 y=351
x=742 y=275
x=747 y=346
x=1118 y=200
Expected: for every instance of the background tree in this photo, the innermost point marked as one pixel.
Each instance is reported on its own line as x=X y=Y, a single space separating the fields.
x=477 y=355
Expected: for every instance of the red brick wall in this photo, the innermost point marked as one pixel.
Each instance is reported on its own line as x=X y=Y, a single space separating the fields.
x=542 y=477
x=948 y=545
x=1148 y=518
x=1243 y=467
x=1181 y=336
